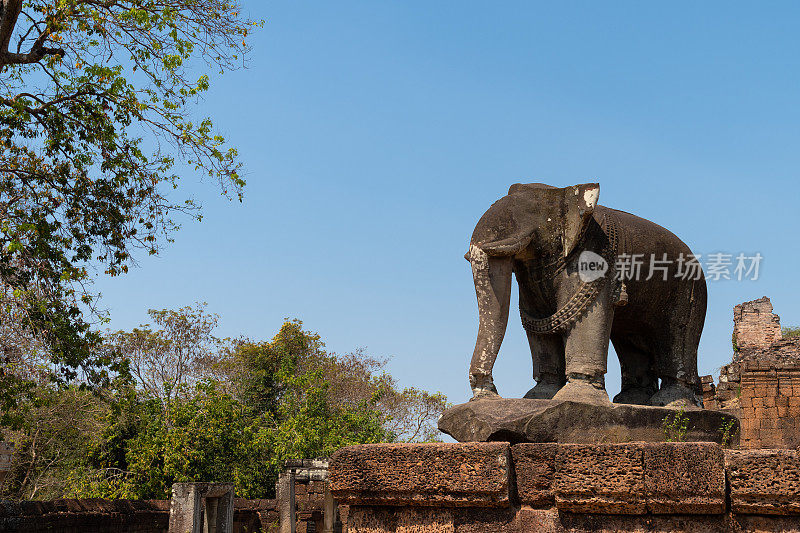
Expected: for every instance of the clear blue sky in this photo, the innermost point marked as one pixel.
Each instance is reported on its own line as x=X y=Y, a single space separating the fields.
x=375 y=134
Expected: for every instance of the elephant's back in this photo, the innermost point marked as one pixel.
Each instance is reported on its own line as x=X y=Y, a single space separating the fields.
x=637 y=235
x=674 y=294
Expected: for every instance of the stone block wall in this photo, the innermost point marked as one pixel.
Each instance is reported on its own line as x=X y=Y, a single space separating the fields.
x=309 y=502
x=120 y=516
x=555 y=488
x=86 y=516
x=152 y=516
x=770 y=405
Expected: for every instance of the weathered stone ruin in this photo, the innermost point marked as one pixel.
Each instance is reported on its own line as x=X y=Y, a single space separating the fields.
x=94 y=515
x=762 y=384
x=193 y=505
x=201 y=507
x=755 y=326
x=304 y=500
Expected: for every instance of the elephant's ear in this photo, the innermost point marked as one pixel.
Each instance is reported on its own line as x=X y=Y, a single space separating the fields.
x=579 y=204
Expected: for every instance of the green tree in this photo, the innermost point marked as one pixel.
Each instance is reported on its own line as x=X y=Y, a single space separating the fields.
x=162 y=360
x=242 y=412
x=204 y=435
x=55 y=429
x=790 y=332
x=252 y=370
x=95 y=109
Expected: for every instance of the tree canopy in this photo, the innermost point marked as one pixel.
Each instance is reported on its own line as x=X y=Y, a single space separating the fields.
x=96 y=128
x=198 y=408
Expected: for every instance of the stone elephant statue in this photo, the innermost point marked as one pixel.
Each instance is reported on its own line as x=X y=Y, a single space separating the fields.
x=653 y=313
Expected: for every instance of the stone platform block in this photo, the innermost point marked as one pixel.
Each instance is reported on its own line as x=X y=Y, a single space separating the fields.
x=635 y=478
x=604 y=478
x=438 y=474
x=765 y=482
x=535 y=468
x=684 y=478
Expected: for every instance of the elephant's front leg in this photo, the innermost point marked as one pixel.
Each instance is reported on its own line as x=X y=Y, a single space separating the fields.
x=586 y=352
x=492 y=276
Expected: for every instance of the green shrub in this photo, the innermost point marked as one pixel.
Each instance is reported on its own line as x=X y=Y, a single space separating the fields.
x=675 y=426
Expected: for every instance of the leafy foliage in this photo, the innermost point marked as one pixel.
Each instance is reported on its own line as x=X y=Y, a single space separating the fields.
x=55 y=430
x=408 y=414
x=95 y=101
x=163 y=360
x=240 y=414
x=675 y=426
x=790 y=332
x=729 y=430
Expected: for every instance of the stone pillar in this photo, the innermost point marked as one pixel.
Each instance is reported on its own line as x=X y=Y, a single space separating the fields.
x=284 y=503
x=201 y=508
x=329 y=510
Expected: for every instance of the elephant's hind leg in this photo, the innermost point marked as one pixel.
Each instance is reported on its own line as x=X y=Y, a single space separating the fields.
x=677 y=367
x=547 y=352
x=639 y=379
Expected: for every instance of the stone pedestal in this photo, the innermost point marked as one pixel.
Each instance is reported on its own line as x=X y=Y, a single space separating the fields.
x=521 y=420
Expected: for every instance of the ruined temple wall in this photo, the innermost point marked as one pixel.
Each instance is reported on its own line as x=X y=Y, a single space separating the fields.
x=762 y=383
x=309 y=505
x=152 y=516
x=96 y=515
x=555 y=488
x=311 y=483
x=755 y=325
x=770 y=405
x=86 y=516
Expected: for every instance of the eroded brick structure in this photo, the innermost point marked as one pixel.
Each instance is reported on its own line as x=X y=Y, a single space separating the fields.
x=762 y=383
x=755 y=326
x=770 y=402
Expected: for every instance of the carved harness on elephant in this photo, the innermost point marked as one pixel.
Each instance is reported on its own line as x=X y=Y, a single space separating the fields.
x=580 y=302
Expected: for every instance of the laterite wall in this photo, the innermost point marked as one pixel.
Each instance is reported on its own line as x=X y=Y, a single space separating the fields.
x=770 y=405
x=556 y=488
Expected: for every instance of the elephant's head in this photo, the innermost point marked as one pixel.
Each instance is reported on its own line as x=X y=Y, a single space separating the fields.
x=549 y=217
x=533 y=218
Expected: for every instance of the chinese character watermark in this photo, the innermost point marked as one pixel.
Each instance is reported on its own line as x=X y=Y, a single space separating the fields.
x=717 y=266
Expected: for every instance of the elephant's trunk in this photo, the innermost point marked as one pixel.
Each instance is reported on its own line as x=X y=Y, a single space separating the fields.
x=492 y=276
